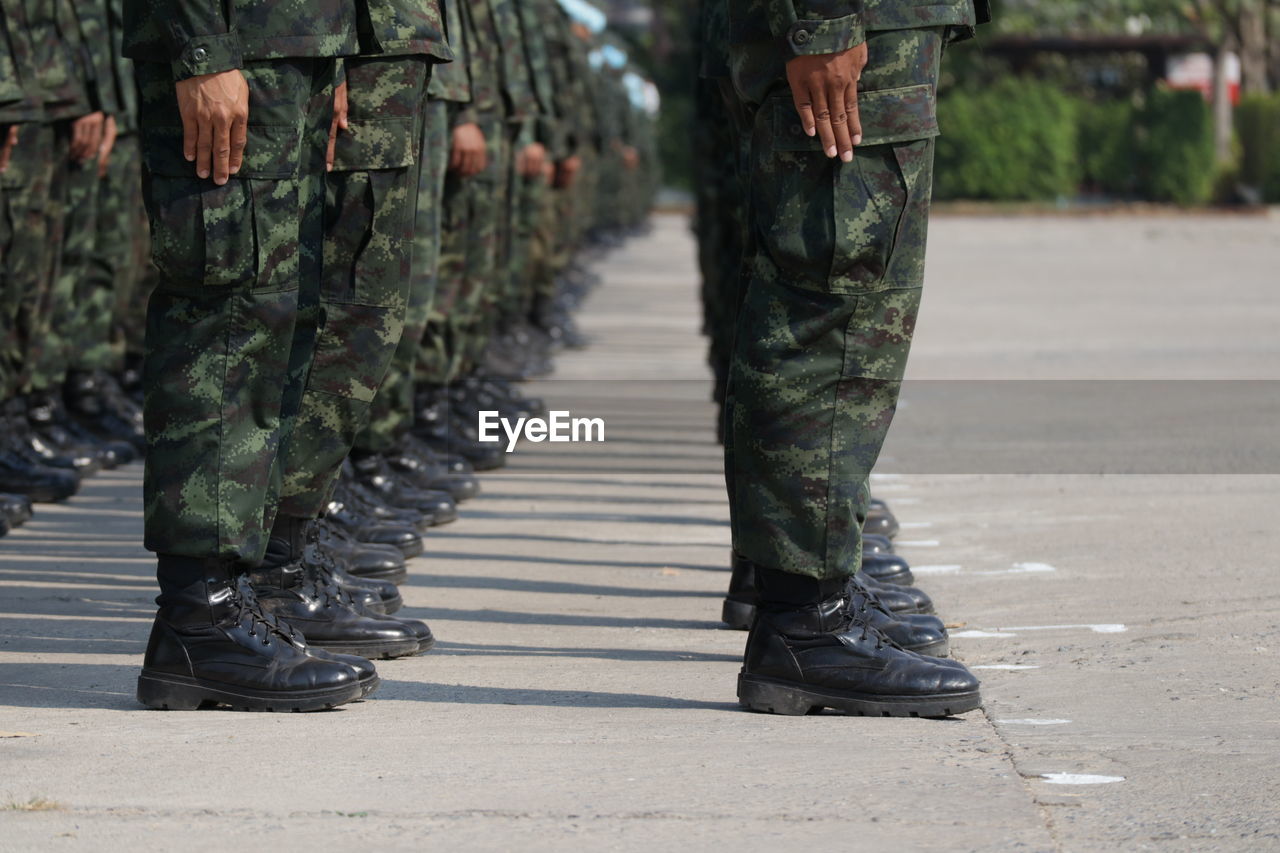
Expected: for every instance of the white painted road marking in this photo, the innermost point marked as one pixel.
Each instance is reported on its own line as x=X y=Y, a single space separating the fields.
x=1097 y=629
x=935 y=570
x=917 y=543
x=1079 y=779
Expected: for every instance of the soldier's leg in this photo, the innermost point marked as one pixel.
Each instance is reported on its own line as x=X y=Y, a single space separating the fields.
x=220 y=322
x=92 y=392
x=391 y=413
x=364 y=288
x=220 y=328
x=832 y=292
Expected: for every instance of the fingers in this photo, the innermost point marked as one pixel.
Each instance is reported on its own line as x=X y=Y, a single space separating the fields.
x=840 y=122
x=481 y=161
x=239 y=139
x=190 y=133
x=851 y=110
x=804 y=106
x=204 y=148
x=822 y=121
x=456 y=158
x=80 y=135
x=222 y=151
x=333 y=144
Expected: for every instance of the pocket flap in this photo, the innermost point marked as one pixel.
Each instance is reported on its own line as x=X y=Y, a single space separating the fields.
x=888 y=115
x=270 y=152
x=377 y=144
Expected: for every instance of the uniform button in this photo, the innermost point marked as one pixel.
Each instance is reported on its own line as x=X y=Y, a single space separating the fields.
x=800 y=36
x=199 y=54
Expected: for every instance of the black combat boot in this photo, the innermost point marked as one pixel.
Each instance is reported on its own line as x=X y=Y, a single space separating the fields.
x=48 y=417
x=319 y=565
x=93 y=399
x=899 y=599
x=368 y=562
x=381 y=482
x=739 y=608
x=15 y=509
x=880 y=521
x=402 y=537
x=303 y=597
x=913 y=631
x=294 y=539
x=808 y=650
x=22 y=438
x=873 y=544
x=213 y=643
x=422 y=468
x=434 y=424
x=887 y=568
x=20 y=475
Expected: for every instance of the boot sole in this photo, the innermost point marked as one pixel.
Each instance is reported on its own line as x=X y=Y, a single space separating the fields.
x=397 y=575
x=789 y=699
x=369 y=649
x=391 y=605
x=940 y=649
x=163 y=691
x=368 y=686
x=426 y=646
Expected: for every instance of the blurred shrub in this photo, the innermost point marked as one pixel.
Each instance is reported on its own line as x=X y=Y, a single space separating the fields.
x=1012 y=141
x=1258 y=131
x=1174 y=144
x=1107 y=156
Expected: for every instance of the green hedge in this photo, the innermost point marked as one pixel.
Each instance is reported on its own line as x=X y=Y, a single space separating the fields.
x=1174 y=142
x=1258 y=129
x=1013 y=141
x=1022 y=140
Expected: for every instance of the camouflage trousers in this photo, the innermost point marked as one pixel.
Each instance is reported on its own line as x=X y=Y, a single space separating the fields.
x=25 y=259
x=116 y=264
x=835 y=268
x=353 y=323
x=220 y=334
x=467 y=292
x=529 y=197
x=391 y=413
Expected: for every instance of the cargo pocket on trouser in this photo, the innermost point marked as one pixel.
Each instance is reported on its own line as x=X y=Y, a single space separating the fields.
x=363 y=295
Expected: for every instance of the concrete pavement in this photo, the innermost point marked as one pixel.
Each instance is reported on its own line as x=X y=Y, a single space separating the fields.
x=581 y=696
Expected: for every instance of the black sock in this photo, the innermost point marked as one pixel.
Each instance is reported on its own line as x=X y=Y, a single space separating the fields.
x=794 y=590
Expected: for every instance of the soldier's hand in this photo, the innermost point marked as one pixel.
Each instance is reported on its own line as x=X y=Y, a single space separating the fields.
x=8 y=141
x=215 y=122
x=567 y=172
x=340 y=122
x=530 y=160
x=825 y=89
x=630 y=157
x=86 y=136
x=109 y=133
x=469 y=151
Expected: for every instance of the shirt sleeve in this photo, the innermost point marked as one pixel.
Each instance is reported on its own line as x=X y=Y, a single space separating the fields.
x=812 y=27
x=201 y=40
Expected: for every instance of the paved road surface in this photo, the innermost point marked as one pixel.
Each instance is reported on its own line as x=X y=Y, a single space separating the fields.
x=1127 y=627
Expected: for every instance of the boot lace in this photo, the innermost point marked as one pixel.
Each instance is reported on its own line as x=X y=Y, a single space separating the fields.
x=249 y=609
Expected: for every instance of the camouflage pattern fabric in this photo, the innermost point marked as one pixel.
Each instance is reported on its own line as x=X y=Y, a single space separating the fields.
x=28 y=263
x=220 y=323
x=352 y=325
x=391 y=413
x=455 y=334
x=835 y=268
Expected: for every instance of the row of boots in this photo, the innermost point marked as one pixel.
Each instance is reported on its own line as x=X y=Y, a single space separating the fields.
x=51 y=440
x=300 y=632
